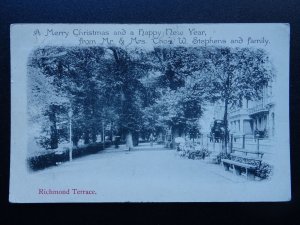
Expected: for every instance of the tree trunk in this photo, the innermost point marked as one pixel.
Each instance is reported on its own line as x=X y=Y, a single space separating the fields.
x=129 y=142
x=226 y=125
x=53 y=128
x=86 y=137
x=135 y=138
x=94 y=135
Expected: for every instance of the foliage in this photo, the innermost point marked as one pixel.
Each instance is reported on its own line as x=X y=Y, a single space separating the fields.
x=222 y=155
x=51 y=158
x=264 y=171
x=199 y=154
x=235 y=74
x=192 y=150
x=99 y=85
x=136 y=91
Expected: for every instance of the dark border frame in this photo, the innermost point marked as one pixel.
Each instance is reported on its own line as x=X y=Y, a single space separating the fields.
x=147 y=11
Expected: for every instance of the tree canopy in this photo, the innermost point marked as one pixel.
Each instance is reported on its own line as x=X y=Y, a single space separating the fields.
x=136 y=91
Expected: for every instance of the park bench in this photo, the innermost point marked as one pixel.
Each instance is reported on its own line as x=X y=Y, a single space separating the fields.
x=241 y=163
x=238 y=168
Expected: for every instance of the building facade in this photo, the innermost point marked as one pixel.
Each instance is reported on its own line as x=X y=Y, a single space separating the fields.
x=254 y=116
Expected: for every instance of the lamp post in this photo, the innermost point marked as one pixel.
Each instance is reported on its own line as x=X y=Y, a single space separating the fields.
x=70 y=127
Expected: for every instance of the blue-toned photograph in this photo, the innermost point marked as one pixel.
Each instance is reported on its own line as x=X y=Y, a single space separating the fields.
x=152 y=121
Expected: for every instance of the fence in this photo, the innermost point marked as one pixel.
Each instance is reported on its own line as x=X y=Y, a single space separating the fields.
x=208 y=142
x=250 y=144
x=244 y=143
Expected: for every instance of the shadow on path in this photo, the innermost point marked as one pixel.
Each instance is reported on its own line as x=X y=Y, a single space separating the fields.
x=141 y=147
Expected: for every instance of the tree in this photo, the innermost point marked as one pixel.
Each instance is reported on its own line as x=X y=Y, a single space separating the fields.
x=175 y=65
x=181 y=110
x=181 y=88
x=126 y=70
x=75 y=74
x=44 y=103
x=235 y=74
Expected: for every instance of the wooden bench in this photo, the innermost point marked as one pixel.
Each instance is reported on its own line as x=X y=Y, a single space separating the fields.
x=238 y=167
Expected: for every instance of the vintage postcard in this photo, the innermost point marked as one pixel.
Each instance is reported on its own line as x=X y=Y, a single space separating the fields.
x=150 y=113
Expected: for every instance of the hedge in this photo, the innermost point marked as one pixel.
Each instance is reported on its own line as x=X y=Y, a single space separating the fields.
x=52 y=158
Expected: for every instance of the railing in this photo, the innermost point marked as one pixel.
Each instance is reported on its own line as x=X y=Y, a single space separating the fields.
x=257 y=109
x=235 y=112
x=244 y=143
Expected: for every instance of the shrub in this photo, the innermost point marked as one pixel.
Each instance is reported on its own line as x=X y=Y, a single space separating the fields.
x=44 y=142
x=183 y=153
x=52 y=157
x=199 y=154
x=254 y=162
x=264 y=170
x=222 y=155
x=42 y=161
x=193 y=152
